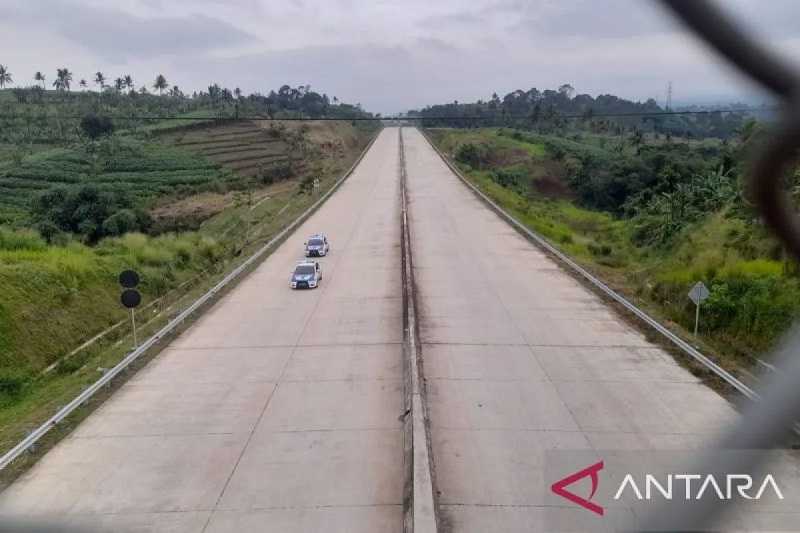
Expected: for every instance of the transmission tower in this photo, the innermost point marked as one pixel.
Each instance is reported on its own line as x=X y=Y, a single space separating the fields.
x=669 y=96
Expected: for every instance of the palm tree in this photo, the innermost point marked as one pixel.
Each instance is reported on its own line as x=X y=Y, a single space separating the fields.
x=83 y=84
x=119 y=84
x=160 y=83
x=63 y=79
x=67 y=78
x=5 y=76
x=175 y=92
x=237 y=92
x=39 y=77
x=100 y=80
x=128 y=81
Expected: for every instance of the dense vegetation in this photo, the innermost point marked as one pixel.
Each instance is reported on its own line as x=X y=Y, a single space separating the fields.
x=34 y=116
x=92 y=163
x=654 y=217
x=119 y=172
x=562 y=111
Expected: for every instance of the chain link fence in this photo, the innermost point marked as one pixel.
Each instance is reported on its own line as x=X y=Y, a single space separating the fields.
x=771 y=421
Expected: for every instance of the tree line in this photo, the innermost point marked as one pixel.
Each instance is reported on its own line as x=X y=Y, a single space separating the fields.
x=287 y=100
x=562 y=110
x=64 y=79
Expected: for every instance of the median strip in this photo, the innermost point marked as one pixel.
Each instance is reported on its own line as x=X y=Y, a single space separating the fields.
x=420 y=509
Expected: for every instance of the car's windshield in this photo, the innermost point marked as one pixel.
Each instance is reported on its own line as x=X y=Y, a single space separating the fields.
x=303 y=270
x=315 y=242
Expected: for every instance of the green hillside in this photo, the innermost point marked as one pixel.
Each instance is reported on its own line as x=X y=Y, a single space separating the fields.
x=651 y=217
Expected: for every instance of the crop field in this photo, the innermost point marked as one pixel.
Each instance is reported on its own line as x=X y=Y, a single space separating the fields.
x=144 y=170
x=244 y=147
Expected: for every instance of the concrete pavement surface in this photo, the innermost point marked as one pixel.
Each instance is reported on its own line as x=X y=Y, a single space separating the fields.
x=520 y=359
x=276 y=411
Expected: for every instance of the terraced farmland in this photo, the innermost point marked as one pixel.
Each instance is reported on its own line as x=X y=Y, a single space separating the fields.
x=244 y=147
x=143 y=170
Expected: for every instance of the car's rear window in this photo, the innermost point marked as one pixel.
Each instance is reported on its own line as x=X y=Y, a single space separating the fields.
x=315 y=242
x=303 y=270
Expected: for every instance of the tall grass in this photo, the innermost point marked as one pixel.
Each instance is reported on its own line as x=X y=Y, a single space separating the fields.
x=54 y=297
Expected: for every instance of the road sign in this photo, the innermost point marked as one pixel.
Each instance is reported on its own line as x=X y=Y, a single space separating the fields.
x=131 y=298
x=129 y=279
x=698 y=293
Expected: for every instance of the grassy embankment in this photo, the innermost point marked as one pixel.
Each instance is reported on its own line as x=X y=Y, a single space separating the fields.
x=56 y=296
x=755 y=291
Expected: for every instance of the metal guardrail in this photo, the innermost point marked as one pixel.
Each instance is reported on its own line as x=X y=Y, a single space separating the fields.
x=90 y=391
x=684 y=346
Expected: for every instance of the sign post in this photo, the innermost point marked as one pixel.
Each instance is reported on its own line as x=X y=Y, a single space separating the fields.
x=698 y=294
x=133 y=326
x=130 y=298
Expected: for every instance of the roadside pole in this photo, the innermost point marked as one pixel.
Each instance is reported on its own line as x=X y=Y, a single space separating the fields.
x=130 y=297
x=133 y=323
x=698 y=294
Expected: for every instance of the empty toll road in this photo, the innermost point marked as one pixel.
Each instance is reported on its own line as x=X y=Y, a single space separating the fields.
x=281 y=410
x=276 y=411
x=520 y=359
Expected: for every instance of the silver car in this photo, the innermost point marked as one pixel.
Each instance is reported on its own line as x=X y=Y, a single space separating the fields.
x=317 y=246
x=306 y=275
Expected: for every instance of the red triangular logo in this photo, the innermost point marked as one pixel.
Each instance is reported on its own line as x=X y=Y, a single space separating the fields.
x=559 y=487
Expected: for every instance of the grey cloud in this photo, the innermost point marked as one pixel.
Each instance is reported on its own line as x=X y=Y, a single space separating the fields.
x=588 y=19
x=390 y=58
x=449 y=20
x=119 y=36
x=382 y=78
x=775 y=19
x=436 y=45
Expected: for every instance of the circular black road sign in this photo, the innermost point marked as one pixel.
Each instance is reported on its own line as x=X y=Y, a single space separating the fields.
x=129 y=279
x=131 y=298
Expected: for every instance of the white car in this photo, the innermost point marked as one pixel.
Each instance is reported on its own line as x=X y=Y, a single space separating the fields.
x=306 y=275
x=317 y=246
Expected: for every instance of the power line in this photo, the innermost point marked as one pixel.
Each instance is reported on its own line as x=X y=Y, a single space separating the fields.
x=402 y=117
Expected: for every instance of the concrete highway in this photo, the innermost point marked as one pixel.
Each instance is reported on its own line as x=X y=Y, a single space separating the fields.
x=520 y=359
x=277 y=411
x=281 y=410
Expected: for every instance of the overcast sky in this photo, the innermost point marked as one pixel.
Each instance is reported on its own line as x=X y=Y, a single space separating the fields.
x=388 y=55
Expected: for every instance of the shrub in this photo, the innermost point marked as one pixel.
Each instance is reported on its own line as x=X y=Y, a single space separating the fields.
x=88 y=211
x=276 y=173
x=96 y=126
x=125 y=221
x=509 y=178
x=21 y=240
x=602 y=250
x=306 y=185
x=12 y=384
x=474 y=155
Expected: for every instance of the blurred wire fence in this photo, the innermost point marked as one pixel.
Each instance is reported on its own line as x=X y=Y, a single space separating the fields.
x=771 y=421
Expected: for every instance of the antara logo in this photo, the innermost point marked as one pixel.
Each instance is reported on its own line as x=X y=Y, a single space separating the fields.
x=559 y=487
x=723 y=490
x=694 y=486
